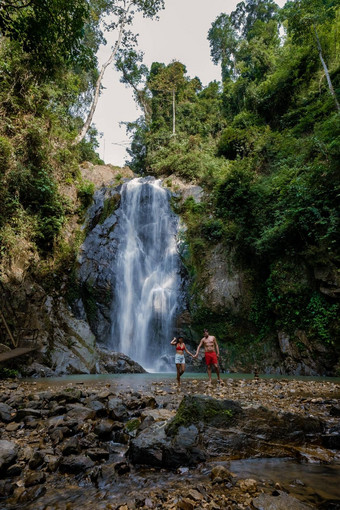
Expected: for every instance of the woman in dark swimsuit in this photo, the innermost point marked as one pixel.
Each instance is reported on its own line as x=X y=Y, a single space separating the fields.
x=179 y=357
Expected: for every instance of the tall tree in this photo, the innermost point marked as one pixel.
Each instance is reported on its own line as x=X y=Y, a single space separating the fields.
x=223 y=41
x=123 y=13
x=169 y=80
x=135 y=74
x=249 y=12
x=306 y=18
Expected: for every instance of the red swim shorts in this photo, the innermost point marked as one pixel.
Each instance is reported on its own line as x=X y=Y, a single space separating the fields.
x=211 y=358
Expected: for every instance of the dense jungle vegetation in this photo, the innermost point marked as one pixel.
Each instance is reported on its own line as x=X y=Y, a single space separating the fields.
x=265 y=147
x=263 y=143
x=48 y=79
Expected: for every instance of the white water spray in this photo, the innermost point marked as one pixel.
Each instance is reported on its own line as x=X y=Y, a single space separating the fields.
x=147 y=285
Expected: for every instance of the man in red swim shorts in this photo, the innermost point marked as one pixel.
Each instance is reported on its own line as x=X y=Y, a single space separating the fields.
x=212 y=353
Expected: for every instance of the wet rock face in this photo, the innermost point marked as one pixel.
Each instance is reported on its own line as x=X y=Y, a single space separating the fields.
x=312 y=359
x=95 y=274
x=227 y=287
x=66 y=345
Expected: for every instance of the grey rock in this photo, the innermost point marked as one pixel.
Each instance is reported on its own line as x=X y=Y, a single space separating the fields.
x=116 y=409
x=6 y=413
x=281 y=501
x=98 y=407
x=24 y=413
x=8 y=454
x=98 y=454
x=104 y=429
x=80 y=413
x=75 y=464
x=70 y=446
x=148 y=447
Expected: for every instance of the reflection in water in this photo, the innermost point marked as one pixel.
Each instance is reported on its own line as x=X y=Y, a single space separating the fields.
x=312 y=482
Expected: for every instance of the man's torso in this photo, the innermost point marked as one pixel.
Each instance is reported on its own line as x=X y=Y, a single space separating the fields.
x=209 y=344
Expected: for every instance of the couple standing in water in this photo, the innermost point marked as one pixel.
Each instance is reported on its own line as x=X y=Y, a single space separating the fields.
x=212 y=353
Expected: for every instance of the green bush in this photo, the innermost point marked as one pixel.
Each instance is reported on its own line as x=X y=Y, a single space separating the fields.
x=6 y=151
x=85 y=190
x=232 y=143
x=320 y=318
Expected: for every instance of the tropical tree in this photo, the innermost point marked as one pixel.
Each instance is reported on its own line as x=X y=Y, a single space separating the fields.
x=167 y=81
x=50 y=32
x=223 y=41
x=135 y=74
x=121 y=14
x=250 y=12
x=306 y=19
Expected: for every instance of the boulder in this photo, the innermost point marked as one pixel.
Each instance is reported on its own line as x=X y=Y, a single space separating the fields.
x=8 y=454
x=112 y=362
x=204 y=410
x=6 y=413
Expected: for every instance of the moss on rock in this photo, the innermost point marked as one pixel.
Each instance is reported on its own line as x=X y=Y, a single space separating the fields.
x=196 y=409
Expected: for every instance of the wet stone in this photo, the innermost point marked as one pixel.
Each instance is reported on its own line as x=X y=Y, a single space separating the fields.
x=279 y=501
x=80 y=413
x=36 y=460
x=98 y=407
x=70 y=446
x=14 y=470
x=8 y=454
x=220 y=473
x=12 y=427
x=34 y=478
x=186 y=504
x=98 y=454
x=28 y=412
x=104 y=429
x=75 y=464
x=6 y=412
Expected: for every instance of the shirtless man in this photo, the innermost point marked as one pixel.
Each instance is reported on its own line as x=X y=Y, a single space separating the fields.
x=212 y=352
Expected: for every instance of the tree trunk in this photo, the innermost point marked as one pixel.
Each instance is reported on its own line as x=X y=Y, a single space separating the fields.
x=324 y=65
x=88 y=121
x=173 y=113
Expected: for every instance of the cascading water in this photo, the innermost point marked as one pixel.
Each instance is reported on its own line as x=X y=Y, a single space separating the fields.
x=147 y=268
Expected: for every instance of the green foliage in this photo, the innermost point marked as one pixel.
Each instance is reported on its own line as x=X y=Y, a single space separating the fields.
x=110 y=205
x=8 y=373
x=85 y=190
x=5 y=154
x=187 y=158
x=42 y=92
x=320 y=319
x=212 y=230
x=49 y=32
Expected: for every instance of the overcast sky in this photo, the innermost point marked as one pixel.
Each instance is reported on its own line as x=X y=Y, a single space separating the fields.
x=179 y=34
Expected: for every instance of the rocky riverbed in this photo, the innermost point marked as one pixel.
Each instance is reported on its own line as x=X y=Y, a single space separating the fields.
x=128 y=443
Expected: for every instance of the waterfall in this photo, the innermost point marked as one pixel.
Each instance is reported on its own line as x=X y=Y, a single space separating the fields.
x=147 y=280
